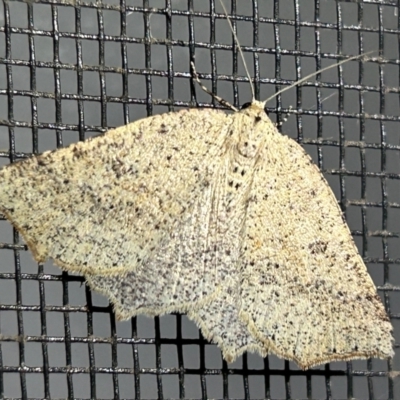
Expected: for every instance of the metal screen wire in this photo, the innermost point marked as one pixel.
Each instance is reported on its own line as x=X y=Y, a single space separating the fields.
x=70 y=69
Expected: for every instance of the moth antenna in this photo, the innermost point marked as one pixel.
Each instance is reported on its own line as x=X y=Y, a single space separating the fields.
x=324 y=99
x=240 y=50
x=315 y=73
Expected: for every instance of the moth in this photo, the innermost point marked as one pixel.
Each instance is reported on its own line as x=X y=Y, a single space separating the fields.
x=213 y=214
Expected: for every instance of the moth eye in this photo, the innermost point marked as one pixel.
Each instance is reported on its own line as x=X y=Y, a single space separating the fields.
x=245 y=105
x=266 y=111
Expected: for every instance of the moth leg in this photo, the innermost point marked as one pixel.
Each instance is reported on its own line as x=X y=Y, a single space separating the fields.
x=213 y=95
x=286 y=116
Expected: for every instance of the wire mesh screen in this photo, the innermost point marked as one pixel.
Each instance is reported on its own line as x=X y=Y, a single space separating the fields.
x=71 y=69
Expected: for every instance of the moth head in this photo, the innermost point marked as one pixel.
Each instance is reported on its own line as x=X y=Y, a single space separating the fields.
x=254 y=108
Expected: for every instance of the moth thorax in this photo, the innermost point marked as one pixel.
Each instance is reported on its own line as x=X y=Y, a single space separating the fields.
x=250 y=141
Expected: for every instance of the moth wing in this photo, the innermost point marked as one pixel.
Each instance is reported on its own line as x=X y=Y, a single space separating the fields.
x=151 y=292
x=217 y=318
x=193 y=266
x=104 y=204
x=220 y=323
x=305 y=290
